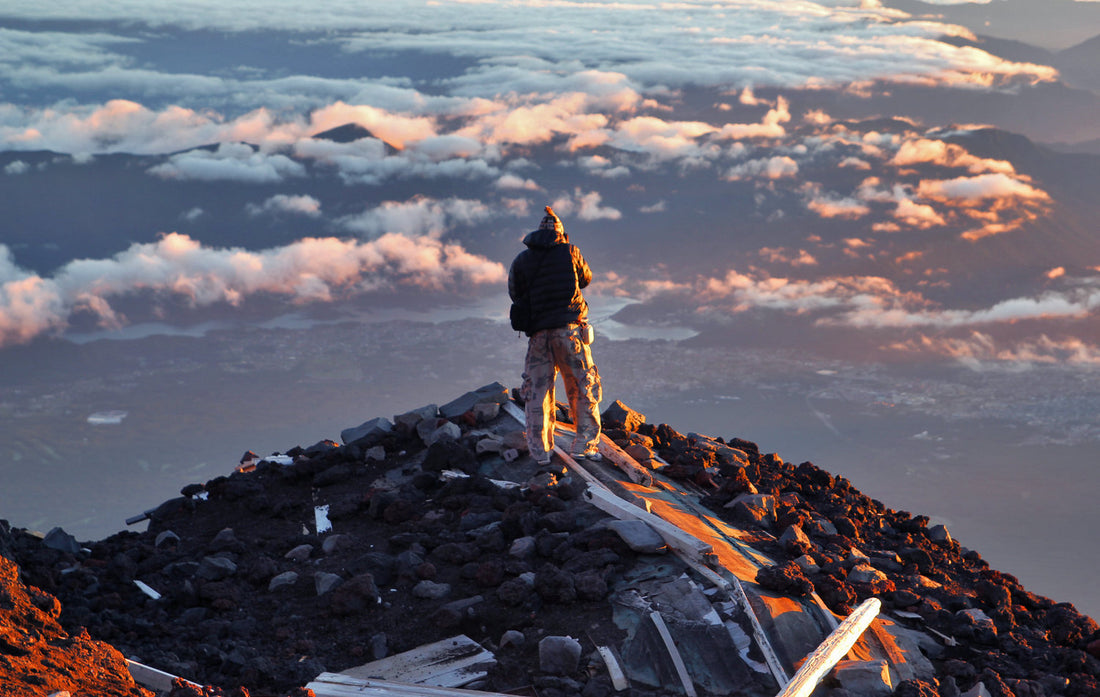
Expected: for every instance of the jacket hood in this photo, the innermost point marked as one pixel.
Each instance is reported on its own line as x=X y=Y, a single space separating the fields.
x=544 y=239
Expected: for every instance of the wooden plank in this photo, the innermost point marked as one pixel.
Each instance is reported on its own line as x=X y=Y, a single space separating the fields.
x=618 y=677
x=674 y=653
x=836 y=645
x=153 y=679
x=450 y=662
x=673 y=536
x=636 y=472
x=338 y=685
x=762 y=640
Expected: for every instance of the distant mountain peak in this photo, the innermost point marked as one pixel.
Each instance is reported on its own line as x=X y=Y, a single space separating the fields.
x=351 y=132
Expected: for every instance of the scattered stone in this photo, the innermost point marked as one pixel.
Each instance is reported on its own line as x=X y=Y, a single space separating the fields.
x=510 y=455
x=287 y=578
x=447 y=430
x=379 y=646
x=409 y=420
x=488 y=445
x=641 y=453
x=865 y=573
x=430 y=590
x=215 y=568
x=486 y=411
x=375 y=454
x=512 y=638
x=226 y=539
x=61 y=541
x=337 y=543
x=620 y=414
x=559 y=655
x=300 y=553
x=939 y=535
x=864 y=678
x=367 y=433
x=516 y=440
x=522 y=547
x=324 y=582
x=493 y=392
x=808 y=565
x=166 y=539
x=638 y=536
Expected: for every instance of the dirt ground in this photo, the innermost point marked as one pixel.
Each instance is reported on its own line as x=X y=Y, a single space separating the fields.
x=414 y=557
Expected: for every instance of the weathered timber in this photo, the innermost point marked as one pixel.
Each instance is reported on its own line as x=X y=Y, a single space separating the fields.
x=834 y=648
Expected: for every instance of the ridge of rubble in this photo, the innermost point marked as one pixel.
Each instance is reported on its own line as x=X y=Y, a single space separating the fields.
x=427 y=541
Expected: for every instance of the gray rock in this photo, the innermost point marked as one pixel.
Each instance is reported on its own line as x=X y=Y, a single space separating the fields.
x=486 y=411
x=638 y=536
x=856 y=557
x=299 y=553
x=794 y=535
x=515 y=439
x=429 y=590
x=379 y=646
x=488 y=445
x=225 y=539
x=215 y=568
x=864 y=678
x=939 y=533
x=979 y=690
x=377 y=453
x=446 y=430
x=324 y=582
x=493 y=392
x=807 y=564
x=61 y=541
x=559 y=655
x=425 y=428
x=522 y=547
x=820 y=526
x=620 y=413
x=865 y=573
x=166 y=538
x=337 y=543
x=287 y=578
x=512 y=638
x=641 y=453
x=759 y=508
x=367 y=433
x=978 y=619
x=510 y=455
x=411 y=419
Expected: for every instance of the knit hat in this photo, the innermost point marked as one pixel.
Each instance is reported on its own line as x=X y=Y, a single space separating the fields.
x=551 y=221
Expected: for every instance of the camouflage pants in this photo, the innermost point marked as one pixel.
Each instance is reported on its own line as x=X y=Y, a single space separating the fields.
x=547 y=352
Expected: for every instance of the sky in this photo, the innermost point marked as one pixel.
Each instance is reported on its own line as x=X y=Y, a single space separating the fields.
x=485 y=99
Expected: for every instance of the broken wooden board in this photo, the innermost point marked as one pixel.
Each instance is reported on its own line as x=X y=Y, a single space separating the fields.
x=673 y=536
x=674 y=654
x=450 y=662
x=156 y=680
x=834 y=648
x=339 y=685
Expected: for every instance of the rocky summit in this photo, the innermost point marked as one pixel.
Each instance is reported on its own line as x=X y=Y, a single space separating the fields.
x=677 y=564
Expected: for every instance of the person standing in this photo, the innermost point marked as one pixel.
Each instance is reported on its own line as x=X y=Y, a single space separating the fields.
x=545 y=283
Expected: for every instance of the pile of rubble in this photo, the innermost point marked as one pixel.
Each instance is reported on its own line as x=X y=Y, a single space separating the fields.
x=436 y=525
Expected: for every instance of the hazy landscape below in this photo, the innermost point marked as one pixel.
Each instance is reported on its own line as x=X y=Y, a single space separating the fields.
x=996 y=456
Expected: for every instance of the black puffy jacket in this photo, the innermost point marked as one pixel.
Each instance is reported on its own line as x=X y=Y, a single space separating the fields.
x=551 y=273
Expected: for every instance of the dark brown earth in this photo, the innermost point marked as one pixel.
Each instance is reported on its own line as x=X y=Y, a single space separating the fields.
x=220 y=625
x=37 y=657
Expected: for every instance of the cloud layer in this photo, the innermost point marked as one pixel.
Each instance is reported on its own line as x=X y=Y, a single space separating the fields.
x=182 y=269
